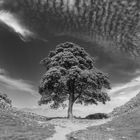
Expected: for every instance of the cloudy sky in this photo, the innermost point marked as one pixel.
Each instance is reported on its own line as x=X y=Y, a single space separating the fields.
x=20 y=71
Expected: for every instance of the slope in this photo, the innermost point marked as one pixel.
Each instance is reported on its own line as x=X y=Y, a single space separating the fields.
x=124 y=126
x=131 y=105
x=19 y=125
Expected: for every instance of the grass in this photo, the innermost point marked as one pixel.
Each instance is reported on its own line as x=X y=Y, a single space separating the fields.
x=18 y=125
x=13 y=127
x=125 y=127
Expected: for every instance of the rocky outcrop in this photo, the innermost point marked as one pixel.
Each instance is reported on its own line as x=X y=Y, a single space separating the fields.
x=131 y=105
x=5 y=102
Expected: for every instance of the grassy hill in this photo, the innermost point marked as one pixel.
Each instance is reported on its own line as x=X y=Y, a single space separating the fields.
x=124 y=126
x=134 y=103
x=19 y=125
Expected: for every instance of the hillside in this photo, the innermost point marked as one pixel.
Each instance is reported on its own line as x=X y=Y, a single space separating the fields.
x=134 y=103
x=124 y=126
x=5 y=105
x=19 y=125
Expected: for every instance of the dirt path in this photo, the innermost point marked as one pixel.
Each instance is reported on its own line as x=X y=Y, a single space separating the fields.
x=64 y=126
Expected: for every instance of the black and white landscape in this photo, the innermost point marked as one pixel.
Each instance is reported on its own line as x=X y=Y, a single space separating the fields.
x=69 y=69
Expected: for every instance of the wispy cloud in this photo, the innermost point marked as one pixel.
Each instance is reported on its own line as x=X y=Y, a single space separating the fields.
x=125 y=89
x=13 y=23
x=17 y=84
x=122 y=93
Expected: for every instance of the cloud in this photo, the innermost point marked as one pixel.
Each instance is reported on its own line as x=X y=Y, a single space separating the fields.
x=13 y=23
x=17 y=84
x=125 y=89
x=122 y=93
x=119 y=65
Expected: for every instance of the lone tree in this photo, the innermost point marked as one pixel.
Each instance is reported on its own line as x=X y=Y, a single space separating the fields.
x=71 y=75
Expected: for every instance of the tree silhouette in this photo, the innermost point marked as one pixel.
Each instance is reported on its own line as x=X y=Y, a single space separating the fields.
x=71 y=75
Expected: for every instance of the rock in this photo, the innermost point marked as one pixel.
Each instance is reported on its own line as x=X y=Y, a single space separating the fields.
x=5 y=102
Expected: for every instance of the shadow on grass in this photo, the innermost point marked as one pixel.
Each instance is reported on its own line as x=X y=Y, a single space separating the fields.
x=53 y=118
x=96 y=116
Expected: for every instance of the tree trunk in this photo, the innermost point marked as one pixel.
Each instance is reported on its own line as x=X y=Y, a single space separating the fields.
x=70 y=107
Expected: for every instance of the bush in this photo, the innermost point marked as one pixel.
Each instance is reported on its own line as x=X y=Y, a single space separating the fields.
x=97 y=116
x=5 y=98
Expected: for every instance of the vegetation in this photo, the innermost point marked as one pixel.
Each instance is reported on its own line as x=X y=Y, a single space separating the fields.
x=97 y=116
x=18 y=127
x=5 y=98
x=71 y=75
x=124 y=127
x=132 y=104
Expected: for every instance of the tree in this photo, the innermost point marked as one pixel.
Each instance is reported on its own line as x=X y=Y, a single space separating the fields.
x=71 y=75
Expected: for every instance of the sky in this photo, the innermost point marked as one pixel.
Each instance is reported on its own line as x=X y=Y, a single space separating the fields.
x=20 y=69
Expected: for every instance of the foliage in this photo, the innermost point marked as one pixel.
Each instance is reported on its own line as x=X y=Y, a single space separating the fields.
x=70 y=73
x=97 y=116
x=5 y=98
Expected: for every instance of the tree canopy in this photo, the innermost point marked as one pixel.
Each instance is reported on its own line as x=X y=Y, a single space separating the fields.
x=71 y=75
